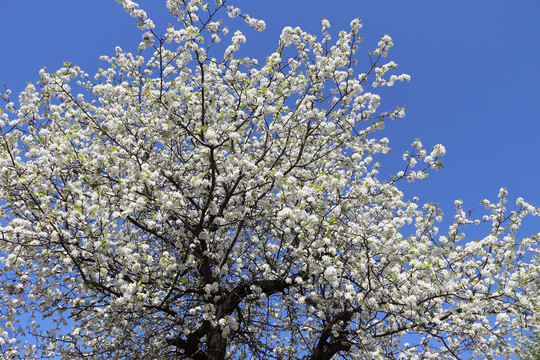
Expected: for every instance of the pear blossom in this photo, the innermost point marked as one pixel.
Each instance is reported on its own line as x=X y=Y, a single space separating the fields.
x=179 y=205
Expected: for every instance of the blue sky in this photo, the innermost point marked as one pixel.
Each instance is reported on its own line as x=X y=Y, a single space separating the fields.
x=474 y=88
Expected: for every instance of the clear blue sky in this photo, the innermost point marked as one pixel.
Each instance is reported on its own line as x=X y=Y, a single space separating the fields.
x=475 y=83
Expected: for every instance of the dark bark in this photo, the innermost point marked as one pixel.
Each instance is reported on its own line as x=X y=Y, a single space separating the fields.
x=328 y=347
x=328 y=344
x=216 y=345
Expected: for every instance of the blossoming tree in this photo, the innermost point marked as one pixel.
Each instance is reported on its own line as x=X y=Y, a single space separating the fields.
x=199 y=205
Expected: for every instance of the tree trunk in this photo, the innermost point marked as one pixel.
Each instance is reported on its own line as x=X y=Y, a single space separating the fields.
x=217 y=345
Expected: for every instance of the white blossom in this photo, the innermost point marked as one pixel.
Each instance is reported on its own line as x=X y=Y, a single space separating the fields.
x=179 y=204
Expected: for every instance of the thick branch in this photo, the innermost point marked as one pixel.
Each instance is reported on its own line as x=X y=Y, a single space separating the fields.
x=329 y=344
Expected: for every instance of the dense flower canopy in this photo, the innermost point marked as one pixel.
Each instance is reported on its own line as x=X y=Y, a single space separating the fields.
x=185 y=203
